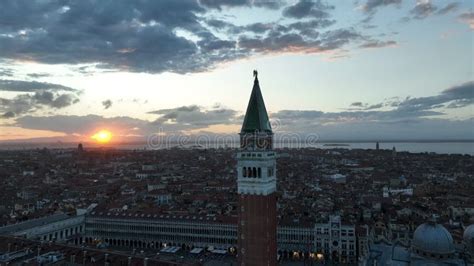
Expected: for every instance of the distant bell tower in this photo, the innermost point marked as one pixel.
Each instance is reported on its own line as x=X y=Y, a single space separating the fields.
x=256 y=185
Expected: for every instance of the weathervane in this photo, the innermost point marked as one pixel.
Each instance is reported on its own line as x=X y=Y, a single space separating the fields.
x=255 y=73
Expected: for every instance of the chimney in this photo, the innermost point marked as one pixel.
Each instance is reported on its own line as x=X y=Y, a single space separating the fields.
x=145 y=262
x=84 y=257
x=73 y=258
x=129 y=261
x=9 y=247
x=106 y=256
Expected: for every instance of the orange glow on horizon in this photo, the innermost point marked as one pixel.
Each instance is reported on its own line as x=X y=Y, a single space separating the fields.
x=103 y=136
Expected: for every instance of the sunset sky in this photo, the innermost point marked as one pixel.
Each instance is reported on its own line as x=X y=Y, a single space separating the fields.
x=344 y=69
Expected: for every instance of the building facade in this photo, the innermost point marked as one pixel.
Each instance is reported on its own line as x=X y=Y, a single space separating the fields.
x=142 y=231
x=336 y=240
x=57 y=228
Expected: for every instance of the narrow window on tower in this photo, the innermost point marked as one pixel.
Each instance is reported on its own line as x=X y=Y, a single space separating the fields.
x=259 y=172
x=244 y=171
x=254 y=172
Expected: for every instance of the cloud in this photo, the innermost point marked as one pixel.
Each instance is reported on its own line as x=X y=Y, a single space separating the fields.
x=307 y=8
x=423 y=9
x=134 y=36
x=31 y=86
x=372 y=5
x=38 y=75
x=107 y=104
x=394 y=118
x=157 y=36
x=448 y=8
x=454 y=97
x=426 y=8
x=468 y=18
x=38 y=96
x=409 y=118
x=85 y=125
x=27 y=103
x=193 y=116
x=179 y=119
x=365 y=126
x=219 y=4
x=6 y=72
x=378 y=44
x=8 y=114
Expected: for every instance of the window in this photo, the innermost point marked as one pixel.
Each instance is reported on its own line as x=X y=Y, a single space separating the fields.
x=270 y=172
x=259 y=172
x=244 y=171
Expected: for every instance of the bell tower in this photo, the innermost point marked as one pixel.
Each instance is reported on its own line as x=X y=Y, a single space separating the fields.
x=256 y=186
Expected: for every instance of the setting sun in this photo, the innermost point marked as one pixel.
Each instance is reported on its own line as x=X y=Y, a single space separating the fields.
x=102 y=136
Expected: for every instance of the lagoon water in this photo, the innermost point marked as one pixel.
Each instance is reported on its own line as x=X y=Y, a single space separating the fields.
x=415 y=147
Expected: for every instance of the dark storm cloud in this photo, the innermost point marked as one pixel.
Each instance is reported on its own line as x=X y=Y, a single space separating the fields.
x=194 y=116
x=30 y=86
x=107 y=104
x=378 y=44
x=308 y=8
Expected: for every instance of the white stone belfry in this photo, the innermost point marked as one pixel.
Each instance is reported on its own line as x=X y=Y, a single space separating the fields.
x=256 y=172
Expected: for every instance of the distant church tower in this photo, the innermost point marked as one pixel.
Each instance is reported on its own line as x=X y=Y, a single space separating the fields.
x=256 y=183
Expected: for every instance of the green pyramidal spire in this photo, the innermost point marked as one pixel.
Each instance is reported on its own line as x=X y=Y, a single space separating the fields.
x=256 y=117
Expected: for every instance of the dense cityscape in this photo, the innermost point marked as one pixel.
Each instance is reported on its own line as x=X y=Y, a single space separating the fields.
x=380 y=195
